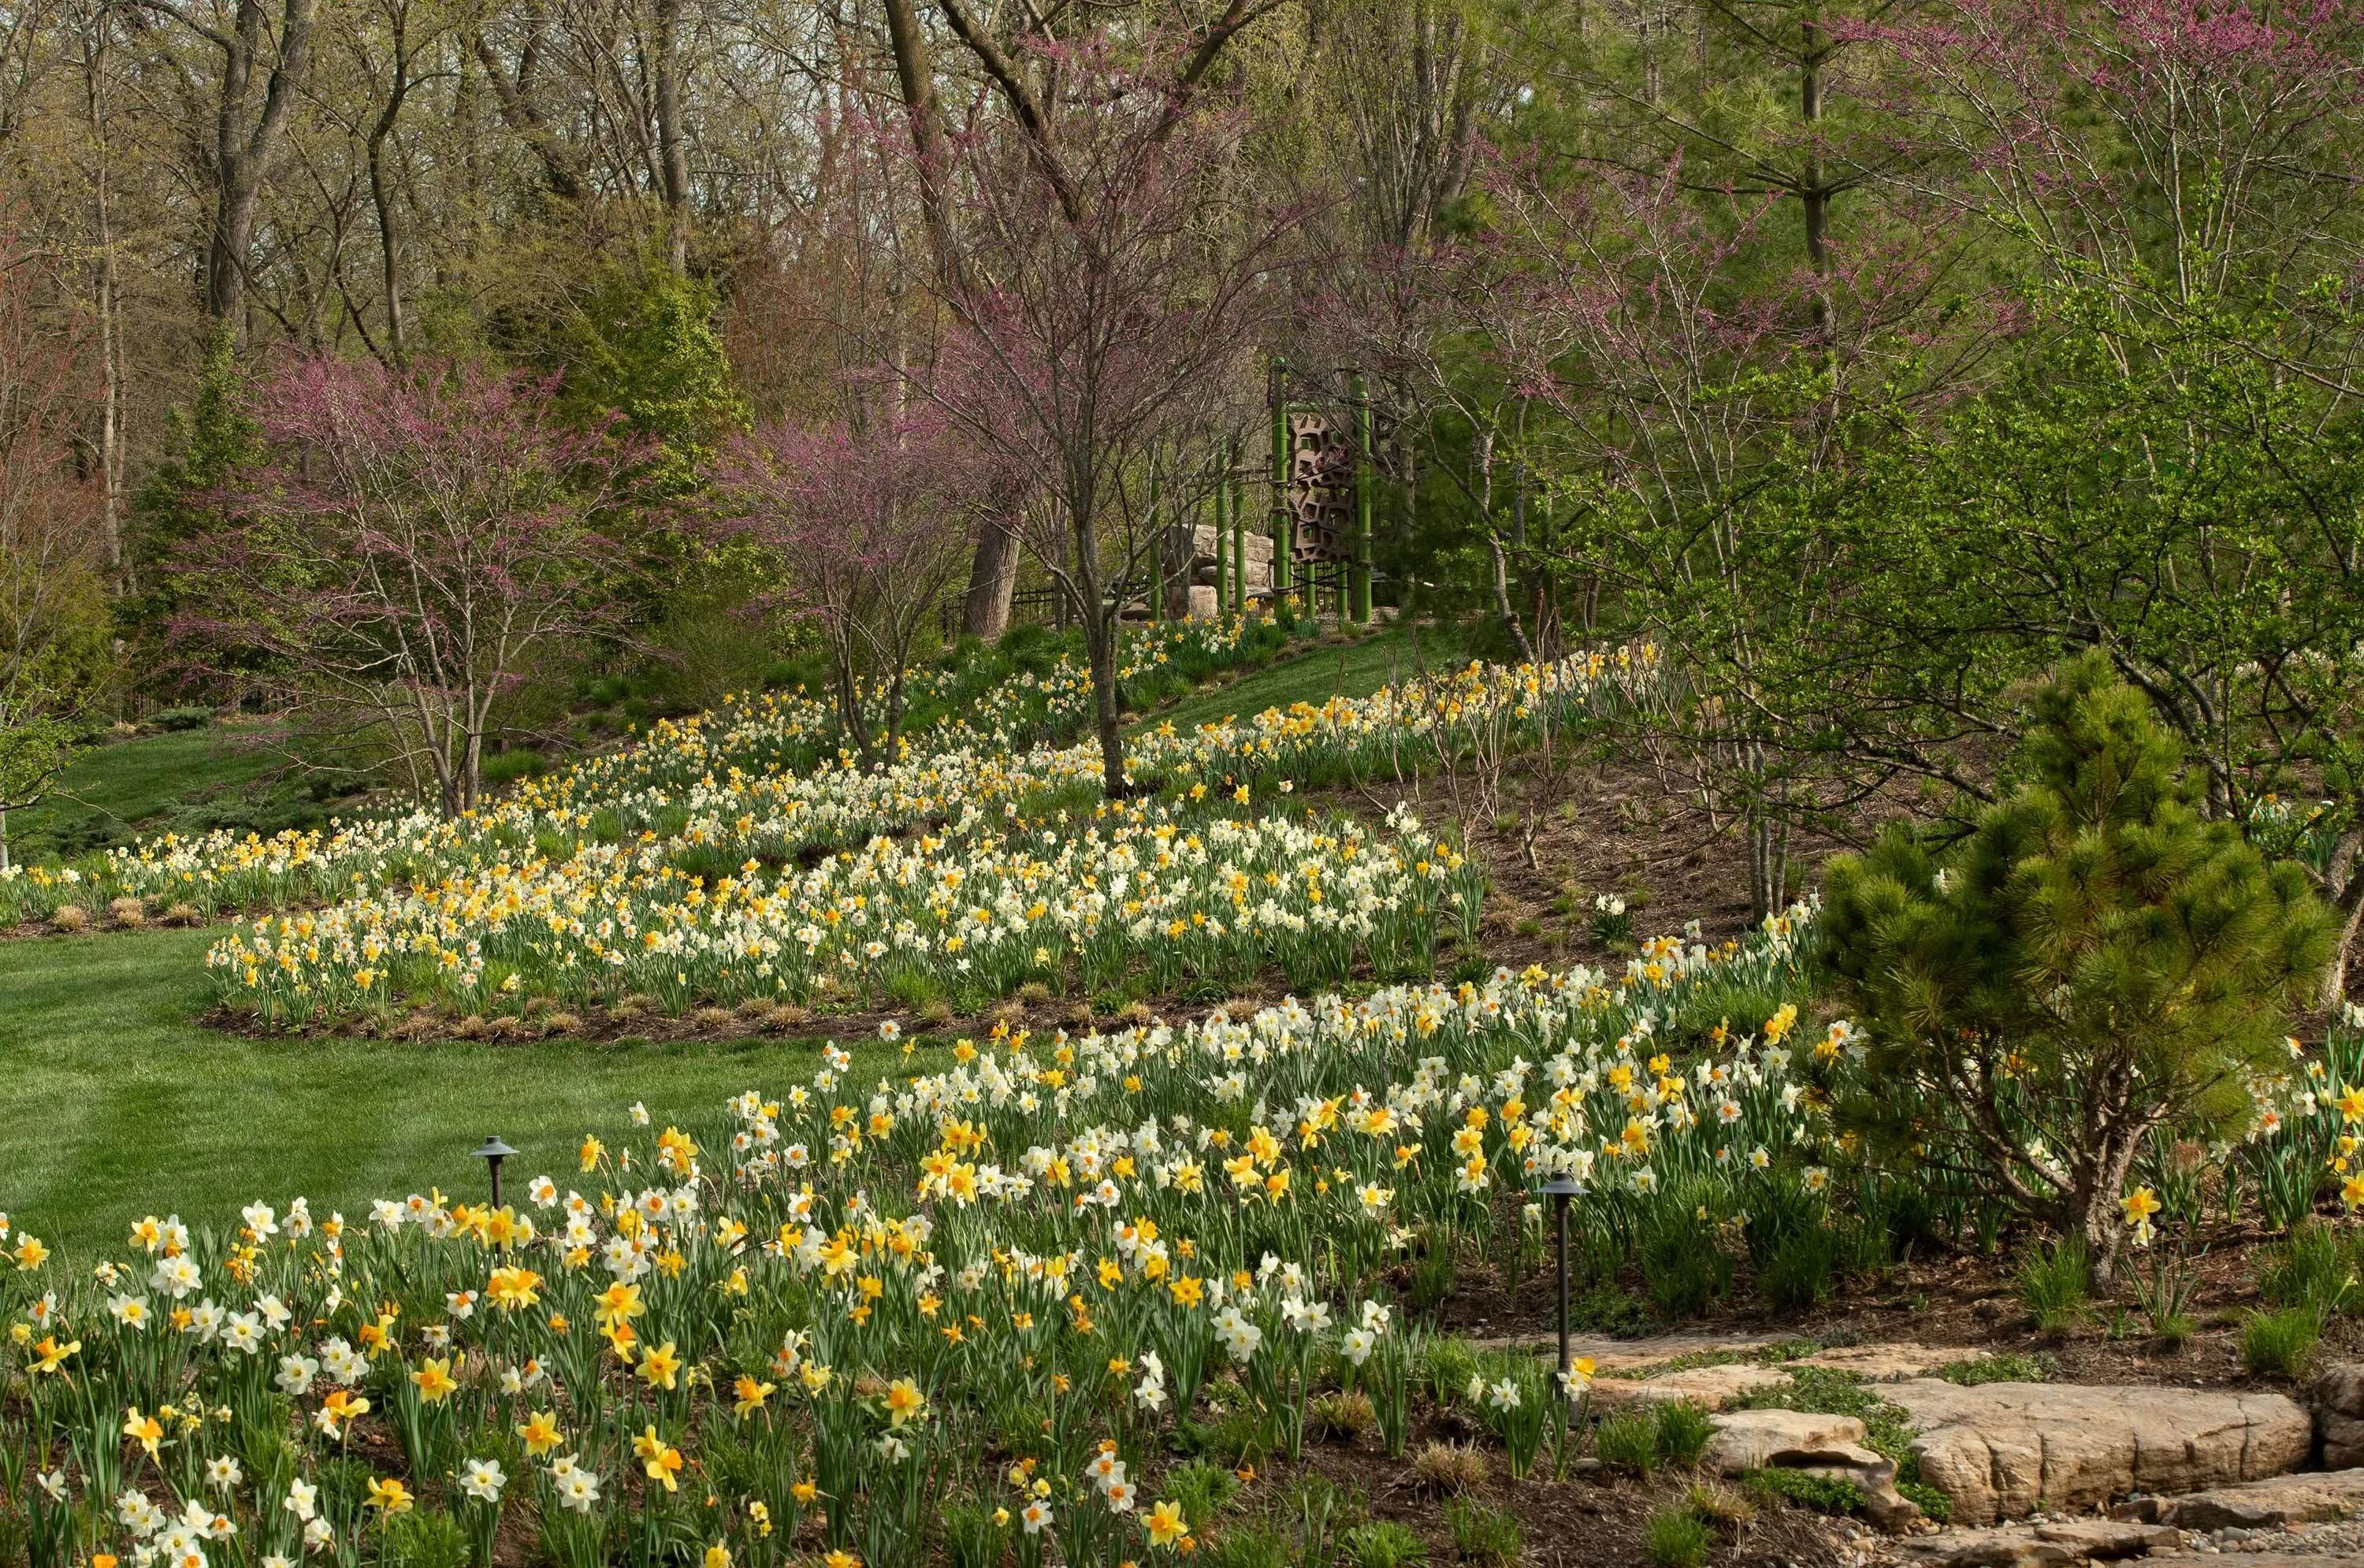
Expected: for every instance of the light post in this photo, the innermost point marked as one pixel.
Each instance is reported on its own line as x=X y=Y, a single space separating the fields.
x=492 y=1153
x=1559 y=1189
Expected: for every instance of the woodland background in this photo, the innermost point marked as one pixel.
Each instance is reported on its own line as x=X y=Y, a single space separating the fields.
x=1867 y=355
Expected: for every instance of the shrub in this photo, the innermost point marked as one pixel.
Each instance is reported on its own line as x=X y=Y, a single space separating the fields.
x=1446 y=1365
x=2009 y=1367
x=1486 y=1536
x=1629 y=1440
x=2104 y=957
x=1676 y=1538
x=2314 y=1271
x=1382 y=1544
x=1822 y=1493
x=1348 y=1415
x=1683 y=1268
x=1450 y=1468
x=1934 y=1506
x=2280 y=1343
x=2052 y=1282
x=1246 y=1546
x=425 y=1540
x=972 y=1537
x=1683 y=1429
x=70 y=918
x=128 y=911
x=1720 y=1505
x=1798 y=1275
x=1324 y=1513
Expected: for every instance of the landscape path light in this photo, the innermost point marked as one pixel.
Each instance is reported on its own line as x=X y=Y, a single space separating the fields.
x=491 y=1151
x=1559 y=1189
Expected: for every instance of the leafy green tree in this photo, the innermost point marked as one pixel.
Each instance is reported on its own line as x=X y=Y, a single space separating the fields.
x=2162 y=492
x=208 y=438
x=33 y=753
x=2093 y=961
x=643 y=348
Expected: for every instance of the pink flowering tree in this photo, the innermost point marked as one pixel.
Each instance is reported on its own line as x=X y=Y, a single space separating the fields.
x=870 y=525
x=1117 y=268
x=417 y=541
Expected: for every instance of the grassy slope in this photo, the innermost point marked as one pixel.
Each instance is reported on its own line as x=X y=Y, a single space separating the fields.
x=1315 y=676
x=185 y=778
x=114 y=1103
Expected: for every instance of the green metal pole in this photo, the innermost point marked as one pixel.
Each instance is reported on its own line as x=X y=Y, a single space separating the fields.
x=1157 y=553
x=1281 y=528
x=1360 y=576
x=1236 y=531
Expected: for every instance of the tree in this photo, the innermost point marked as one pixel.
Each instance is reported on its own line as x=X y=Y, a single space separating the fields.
x=52 y=607
x=1688 y=403
x=1115 y=272
x=869 y=525
x=1029 y=72
x=2145 y=488
x=2094 y=961
x=418 y=541
x=247 y=139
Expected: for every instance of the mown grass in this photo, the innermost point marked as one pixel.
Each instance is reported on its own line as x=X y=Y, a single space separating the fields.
x=1317 y=674
x=183 y=781
x=115 y=1103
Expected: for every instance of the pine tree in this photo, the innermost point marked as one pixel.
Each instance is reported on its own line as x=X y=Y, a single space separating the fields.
x=209 y=439
x=2094 y=961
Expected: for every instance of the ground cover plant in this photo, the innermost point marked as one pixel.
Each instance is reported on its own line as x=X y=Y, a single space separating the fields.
x=989 y=1295
x=832 y=1300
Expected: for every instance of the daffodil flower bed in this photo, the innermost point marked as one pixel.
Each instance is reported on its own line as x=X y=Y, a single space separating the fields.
x=693 y=872
x=853 y=1319
x=1149 y=882
x=742 y=782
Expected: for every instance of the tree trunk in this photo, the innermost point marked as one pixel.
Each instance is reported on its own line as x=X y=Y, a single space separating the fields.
x=243 y=156
x=673 y=155
x=992 y=581
x=382 y=194
x=2350 y=903
x=915 y=72
x=1813 y=197
x=110 y=341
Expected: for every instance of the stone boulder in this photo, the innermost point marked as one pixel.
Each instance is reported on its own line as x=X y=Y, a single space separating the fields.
x=2269 y=1504
x=1711 y=1387
x=1828 y=1446
x=2337 y=1397
x=2031 y=1546
x=1891 y=1363
x=2001 y=1450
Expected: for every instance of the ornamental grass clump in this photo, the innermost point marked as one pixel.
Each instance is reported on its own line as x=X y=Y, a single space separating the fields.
x=2096 y=959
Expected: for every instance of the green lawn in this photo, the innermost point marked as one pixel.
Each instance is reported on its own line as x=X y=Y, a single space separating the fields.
x=1316 y=676
x=183 y=781
x=114 y=1103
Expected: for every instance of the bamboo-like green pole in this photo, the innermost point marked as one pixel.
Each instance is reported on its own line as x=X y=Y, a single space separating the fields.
x=1282 y=530
x=1359 y=575
x=1234 y=535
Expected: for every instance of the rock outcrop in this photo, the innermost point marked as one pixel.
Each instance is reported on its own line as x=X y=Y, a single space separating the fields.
x=1828 y=1446
x=2269 y=1504
x=2001 y=1450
